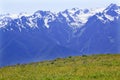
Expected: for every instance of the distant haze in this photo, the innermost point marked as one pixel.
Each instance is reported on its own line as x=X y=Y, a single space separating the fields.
x=30 y=6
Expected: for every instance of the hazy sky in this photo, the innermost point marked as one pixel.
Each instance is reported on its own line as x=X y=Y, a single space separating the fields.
x=30 y=6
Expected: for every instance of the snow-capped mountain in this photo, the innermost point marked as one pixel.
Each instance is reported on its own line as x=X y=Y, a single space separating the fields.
x=110 y=13
x=78 y=17
x=45 y=35
x=74 y=17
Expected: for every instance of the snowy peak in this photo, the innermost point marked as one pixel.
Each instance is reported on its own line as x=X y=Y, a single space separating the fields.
x=78 y=17
x=47 y=16
x=113 y=7
x=111 y=13
x=112 y=10
x=42 y=13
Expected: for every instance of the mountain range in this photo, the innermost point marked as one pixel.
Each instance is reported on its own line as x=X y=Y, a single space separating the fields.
x=45 y=35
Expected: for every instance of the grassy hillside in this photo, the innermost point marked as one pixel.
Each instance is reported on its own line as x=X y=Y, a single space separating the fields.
x=94 y=67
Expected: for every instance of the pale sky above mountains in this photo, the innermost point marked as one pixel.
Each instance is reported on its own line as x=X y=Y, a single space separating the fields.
x=30 y=6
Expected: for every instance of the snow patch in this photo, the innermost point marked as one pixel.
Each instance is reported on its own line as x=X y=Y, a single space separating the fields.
x=109 y=17
x=46 y=23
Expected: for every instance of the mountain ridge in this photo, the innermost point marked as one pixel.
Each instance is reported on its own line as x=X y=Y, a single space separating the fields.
x=46 y=36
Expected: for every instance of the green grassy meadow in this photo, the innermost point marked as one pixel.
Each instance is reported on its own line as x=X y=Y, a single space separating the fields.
x=93 y=67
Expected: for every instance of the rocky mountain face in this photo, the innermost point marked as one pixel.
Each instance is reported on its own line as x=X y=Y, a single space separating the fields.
x=46 y=35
